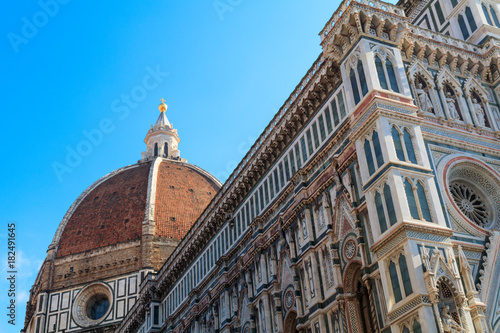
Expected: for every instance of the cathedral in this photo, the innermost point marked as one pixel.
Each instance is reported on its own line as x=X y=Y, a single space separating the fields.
x=370 y=203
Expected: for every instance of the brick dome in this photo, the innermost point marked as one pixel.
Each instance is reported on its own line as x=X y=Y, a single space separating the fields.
x=113 y=209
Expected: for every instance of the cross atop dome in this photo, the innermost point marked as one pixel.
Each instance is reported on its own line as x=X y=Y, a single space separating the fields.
x=162 y=139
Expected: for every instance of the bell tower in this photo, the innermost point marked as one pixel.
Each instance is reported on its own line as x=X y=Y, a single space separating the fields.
x=162 y=139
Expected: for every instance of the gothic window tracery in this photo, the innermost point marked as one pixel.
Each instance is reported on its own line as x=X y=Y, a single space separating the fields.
x=403 y=144
x=417 y=200
x=490 y=14
x=386 y=73
x=385 y=207
x=358 y=81
x=399 y=277
x=470 y=203
x=467 y=23
x=373 y=152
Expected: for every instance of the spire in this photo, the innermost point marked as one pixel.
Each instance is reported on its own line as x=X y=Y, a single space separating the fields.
x=162 y=119
x=162 y=139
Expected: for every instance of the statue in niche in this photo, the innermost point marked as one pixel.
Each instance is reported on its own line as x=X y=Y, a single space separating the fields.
x=423 y=98
x=235 y=300
x=304 y=227
x=479 y=111
x=449 y=324
x=223 y=305
x=450 y=102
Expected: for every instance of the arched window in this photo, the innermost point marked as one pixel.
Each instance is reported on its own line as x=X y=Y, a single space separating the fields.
x=410 y=197
x=422 y=200
x=416 y=327
x=386 y=74
x=470 y=19
x=165 y=150
x=369 y=157
x=380 y=72
x=358 y=82
x=403 y=144
x=410 y=152
x=463 y=27
x=417 y=201
x=362 y=78
x=396 y=138
x=486 y=14
x=156 y=149
x=405 y=276
x=373 y=153
x=380 y=212
x=389 y=204
x=396 y=290
x=406 y=330
x=385 y=208
x=494 y=15
x=354 y=85
x=392 y=75
x=377 y=149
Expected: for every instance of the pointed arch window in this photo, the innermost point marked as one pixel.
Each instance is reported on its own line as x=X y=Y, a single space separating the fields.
x=354 y=86
x=405 y=276
x=165 y=149
x=380 y=72
x=416 y=327
x=417 y=200
x=463 y=27
x=486 y=14
x=470 y=19
x=369 y=157
x=396 y=290
x=403 y=145
x=386 y=74
x=358 y=82
x=156 y=149
x=400 y=277
x=373 y=153
x=467 y=26
x=494 y=16
x=385 y=208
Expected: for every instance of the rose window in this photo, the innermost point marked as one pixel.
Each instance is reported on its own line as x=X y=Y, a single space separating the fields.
x=470 y=203
x=350 y=249
x=289 y=299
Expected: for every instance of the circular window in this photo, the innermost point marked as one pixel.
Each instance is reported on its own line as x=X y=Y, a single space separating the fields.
x=473 y=193
x=289 y=299
x=470 y=203
x=92 y=304
x=350 y=249
x=97 y=306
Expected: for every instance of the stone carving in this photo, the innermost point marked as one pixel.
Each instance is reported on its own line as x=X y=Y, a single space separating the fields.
x=479 y=111
x=450 y=102
x=423 y=98
x=449 y=324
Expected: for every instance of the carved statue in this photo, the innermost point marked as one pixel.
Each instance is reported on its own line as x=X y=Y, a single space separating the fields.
x=478 y=110
x=304 y=228
x=450 y=101
x=235 y=300
x=423 y=98
x=449 y=324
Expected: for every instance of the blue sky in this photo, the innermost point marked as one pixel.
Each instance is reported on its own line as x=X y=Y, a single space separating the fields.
x=66 y=71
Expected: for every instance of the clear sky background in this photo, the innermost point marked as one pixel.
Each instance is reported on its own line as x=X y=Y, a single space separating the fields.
x=65 y=70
